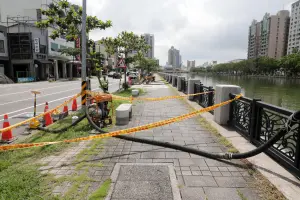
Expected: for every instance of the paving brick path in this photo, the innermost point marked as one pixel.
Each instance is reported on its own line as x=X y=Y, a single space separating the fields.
x=197 y=177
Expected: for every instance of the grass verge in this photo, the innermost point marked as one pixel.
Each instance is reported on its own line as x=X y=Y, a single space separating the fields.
x=101 y=192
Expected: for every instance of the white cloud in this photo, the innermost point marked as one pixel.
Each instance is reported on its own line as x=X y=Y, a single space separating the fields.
x=203 y=30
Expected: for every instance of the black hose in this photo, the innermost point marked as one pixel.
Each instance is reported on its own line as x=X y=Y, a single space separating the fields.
x=295 y=117
x=62 y=129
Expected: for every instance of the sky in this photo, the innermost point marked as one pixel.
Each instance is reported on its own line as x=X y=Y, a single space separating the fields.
x=203 y=30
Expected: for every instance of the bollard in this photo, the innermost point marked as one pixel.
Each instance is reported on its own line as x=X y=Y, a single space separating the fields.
x=179 y=83
x=191 y=87
x=173 y=80
x=221 y=114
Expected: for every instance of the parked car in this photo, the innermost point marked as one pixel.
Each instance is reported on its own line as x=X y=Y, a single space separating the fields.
x=111 y=74
x=117 y=75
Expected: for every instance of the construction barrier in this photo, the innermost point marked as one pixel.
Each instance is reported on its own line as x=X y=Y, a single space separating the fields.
x=38 y=116
x=121 y=132
x=115 y=97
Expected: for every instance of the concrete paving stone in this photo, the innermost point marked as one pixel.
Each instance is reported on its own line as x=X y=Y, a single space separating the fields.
x=186 y=173
x=143 y=160
x=153 y=155
x=177 y=155
x=206 y=173
x=249 y=194
x=99 y=173
x=153 y=190
x=176 y=138
x=215 y=163
x=192 y=162
x=200 y=181
x=245 y=174
x=196 y=173
x=213 y=169
x=184 y=168
x=165 y=160
x=236 y=174
x=211 y=149
x=226 y=174
x=232 y=169
x=204 y=168
x=216 y=173
x=191 y=193
x=194 y=168
x=223 y=169
x=231 y=181
x=143 y=172
x=221 y=193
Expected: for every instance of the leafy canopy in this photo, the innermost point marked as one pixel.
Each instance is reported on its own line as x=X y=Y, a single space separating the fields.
x=66 y=19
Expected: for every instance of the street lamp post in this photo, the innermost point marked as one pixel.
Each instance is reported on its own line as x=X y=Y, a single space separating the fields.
x=83 y=66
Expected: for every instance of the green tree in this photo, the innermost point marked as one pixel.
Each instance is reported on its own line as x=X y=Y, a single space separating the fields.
x=66 y=19
x=125 y=43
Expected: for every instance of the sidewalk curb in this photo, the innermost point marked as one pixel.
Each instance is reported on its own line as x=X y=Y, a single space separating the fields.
x=284 y=181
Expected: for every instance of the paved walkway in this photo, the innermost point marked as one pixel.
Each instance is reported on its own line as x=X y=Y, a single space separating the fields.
x=140 y=171
x=197 y=177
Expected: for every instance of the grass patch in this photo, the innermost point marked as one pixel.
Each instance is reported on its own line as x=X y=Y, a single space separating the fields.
x=19 y=172
x=241 y=195
x=101 y=193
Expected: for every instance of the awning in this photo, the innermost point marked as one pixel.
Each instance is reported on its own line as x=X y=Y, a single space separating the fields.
x=43 y=61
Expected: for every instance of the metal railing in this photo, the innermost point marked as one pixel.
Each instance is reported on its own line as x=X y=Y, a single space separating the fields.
x=175 y=82
x=204 y=100
x=259 y=121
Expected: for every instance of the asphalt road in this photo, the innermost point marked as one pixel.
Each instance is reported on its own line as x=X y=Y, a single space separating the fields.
x=17 y=101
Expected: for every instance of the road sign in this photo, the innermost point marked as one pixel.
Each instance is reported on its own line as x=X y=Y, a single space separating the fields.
x=121 y=63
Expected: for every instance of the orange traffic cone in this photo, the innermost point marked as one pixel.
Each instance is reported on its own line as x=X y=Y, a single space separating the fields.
x=66 y=110
x=47 y=118
x=74 y=105
x=6 y=135
x=45 y=106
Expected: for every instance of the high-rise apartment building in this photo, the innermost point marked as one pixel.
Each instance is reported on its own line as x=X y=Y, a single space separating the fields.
x=149 y=38
x=269 y=36
x=191 y=64
x=174 y=57
x=294 y=28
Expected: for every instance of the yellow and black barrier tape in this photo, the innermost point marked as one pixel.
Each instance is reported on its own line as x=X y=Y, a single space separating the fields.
x=115 y=97
x=121 y=132
x=38 y=116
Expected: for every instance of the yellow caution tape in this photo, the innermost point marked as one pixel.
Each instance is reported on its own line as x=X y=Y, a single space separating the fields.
x=121 y=132
x=115 y=97
x=38 y=116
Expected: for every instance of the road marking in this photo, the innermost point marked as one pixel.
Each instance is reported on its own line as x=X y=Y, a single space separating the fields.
x=39 y=89
x=41 y=104
x=37 y=97
x=12 y=117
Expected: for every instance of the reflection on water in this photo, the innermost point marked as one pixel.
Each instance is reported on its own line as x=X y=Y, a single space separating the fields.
x=277 y=91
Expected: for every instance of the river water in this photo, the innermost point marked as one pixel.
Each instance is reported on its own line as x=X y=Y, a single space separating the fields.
x=277 y=91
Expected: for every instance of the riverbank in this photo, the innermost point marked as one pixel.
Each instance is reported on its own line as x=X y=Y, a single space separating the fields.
x=248 y=75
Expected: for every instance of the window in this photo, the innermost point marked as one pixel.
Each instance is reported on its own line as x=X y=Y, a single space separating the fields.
x=2 y=49
x=62 y=47
x=54 y=46
x=43 y=49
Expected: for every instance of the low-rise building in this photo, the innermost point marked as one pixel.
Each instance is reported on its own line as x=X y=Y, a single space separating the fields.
x=4 y=59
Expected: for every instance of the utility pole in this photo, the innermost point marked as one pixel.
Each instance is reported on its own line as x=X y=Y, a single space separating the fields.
x=83 y=62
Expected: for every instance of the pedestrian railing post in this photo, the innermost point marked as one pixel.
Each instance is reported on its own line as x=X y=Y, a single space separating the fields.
x=253 y=119
x=210 y=96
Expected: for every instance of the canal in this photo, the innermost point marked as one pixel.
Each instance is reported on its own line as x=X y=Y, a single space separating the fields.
x=277 y=91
